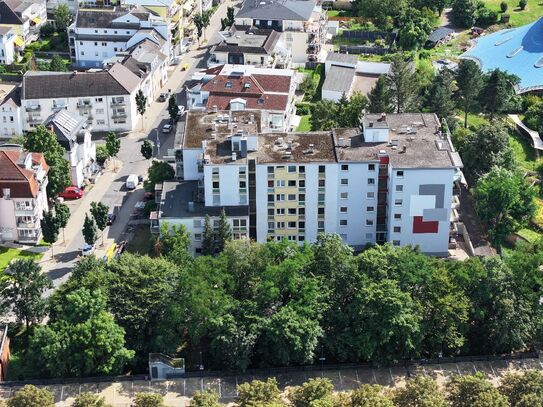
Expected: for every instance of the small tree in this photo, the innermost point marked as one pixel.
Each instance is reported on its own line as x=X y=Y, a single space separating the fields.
x=89 y=400
x=257 y=393
x=522 y=4
x=148 y=400
x=469 y=81
x=503 y=6
x=57 y=64
x=62 y=214
x=201 y=21
x=230 y=15
x=208 y=241
x=173 y=109
x=379 y=97
x=158 y=172
x=49 y=226
x=63 y=17
x=421 y=391
x=31 y=396
x=113 y=144
x=99 y=212
x=224 y=233
x=89 y=230
x=141 y=105
x=23 y=290
x=147 y=149
x=206 y=398
x=311 y=391
x=402 y=83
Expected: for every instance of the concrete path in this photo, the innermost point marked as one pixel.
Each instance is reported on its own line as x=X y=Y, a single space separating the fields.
x=521 y=128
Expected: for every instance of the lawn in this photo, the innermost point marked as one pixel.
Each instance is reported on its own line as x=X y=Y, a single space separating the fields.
x=533 y=11
x=7 y=254
x=530 y=235
x=304 y=125
x=524 y=152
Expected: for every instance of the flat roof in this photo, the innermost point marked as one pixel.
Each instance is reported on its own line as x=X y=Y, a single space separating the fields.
x=295 y=147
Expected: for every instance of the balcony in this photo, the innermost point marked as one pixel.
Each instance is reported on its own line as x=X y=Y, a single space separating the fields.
x=34 y=224
x=117 y=103
x=84 y=105
x=116 y=115
x=25 y=211
x=34 y=120
x=32 y=237
x=33 y=108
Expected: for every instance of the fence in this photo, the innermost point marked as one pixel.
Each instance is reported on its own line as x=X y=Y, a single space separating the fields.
x=371 y=36
x=363 y=49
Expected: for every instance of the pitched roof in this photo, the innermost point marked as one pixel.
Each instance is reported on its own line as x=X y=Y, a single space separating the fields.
x=105 y=18
x=339 y=79
x=8 y=15
x=21 y=182
x=295 y=10
x=118 y=80
x=440 y=33
x=66 y=126
x=267 y=102
x=338 y=57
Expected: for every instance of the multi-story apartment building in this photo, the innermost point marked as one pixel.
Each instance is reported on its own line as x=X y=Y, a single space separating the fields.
x=96 y=35
x=7 y=46
x=106 y=98
x=25 y=17
x=23 y=196
x=247 y=87
x=11 y=114
x=302 y=24
x=391 y=181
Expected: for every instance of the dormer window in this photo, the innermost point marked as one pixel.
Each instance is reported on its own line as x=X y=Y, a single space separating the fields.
x=260 y=101
x=246 y=85
x=228 y=84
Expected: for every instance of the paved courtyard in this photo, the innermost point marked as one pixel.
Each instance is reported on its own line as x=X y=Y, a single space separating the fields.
x=178 y=392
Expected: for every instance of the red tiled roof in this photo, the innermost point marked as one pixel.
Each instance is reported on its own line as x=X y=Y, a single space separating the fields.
x=270 y=102
x=19 y=180
x=218 y=84
x=274 y=83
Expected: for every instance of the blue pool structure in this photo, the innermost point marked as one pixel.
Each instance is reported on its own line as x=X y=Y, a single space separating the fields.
x=518 y=51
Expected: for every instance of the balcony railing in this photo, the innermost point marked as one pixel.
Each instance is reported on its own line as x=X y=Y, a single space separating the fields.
x=118 y=114
x=33 y=108
x=25 y=211
x=83 y=105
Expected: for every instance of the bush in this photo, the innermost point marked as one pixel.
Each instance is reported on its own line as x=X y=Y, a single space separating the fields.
x=47 y=29
x=529 y=100
x=486 y=17
x=503 y=6
x=522 y=4
x=101 y=154
x=303 y=108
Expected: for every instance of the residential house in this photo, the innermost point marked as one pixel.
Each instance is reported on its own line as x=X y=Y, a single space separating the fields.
x=96 y=35
x=245 y=45
x=4 y=352
x=107 y=98
x=23 y=196
x=11 y=114
x=7 y=46
x=25 y=17
x=74 y=135
x=302 y=24
x=394 y=181
x=246 y=87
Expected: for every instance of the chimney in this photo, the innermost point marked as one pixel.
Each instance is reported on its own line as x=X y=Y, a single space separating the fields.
x=204 y=145
x=6 y=192
x=234 y=156
x=341 y=142
x=404 y=148
x=191 y=206
x=371 y=124
x=383 y=117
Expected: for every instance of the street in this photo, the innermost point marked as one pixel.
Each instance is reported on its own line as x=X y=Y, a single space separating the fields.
x=109 y=188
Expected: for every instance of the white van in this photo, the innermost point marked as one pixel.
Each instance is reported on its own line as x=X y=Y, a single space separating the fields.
x=132 y=181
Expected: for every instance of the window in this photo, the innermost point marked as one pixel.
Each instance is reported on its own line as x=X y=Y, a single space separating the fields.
x=100 y=122
x=228 y=84
x=292 y=211
x=322 y=169
x=399 y=188
x=82 y=53
x=370 y=195
x=301 y=169
x=215 y=170
x=95 y=44
x=369 y=236
x=344 y=181
x=197 y=237
x=280 y=183
x=270 y=170
x=104 y=44
x=397 y=216
x=398 y=202
x=395 y=242
x=280 y=225
x=291 y=168
x=343 y=222
x=320 y=211
x=301 y=211
x=291 y=197
x=242 y=170
x=271 y=225
x=216 y=199
x=270 y=184
x=343 y=209
x=243 y=184
x=321 y=198
x=270 y=212
x=399 y=174
x=301 y=183
x=197 y=223
x=344 y=167
x=95 y=53
x=216 y=223
x=371 y=181
x=280 y=211
x=369 y=209
x=237 y=223
x=301 y=198
x=292 y=183
x=80 y=42
x=301 y=225
x=371 y=167
x=369 y=222
x=344 y=195
x=397 y=229
x=99 y=100
x=280 y=197
x=215 y=184
x=270 y=198
x=291 y=225
x=321 y=183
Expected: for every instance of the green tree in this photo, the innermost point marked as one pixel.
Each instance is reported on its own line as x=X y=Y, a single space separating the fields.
x=99 y=212
x=208 y=398
x=147 y=149
x=174 y=243
x=520 y=388
x=439 y=98
x=370 y=396
x=311 y=391
x=49 y=226
x=421 y=391
x=474 y=391
x=201 y=21
x=380 y=12
x=23 y=291
x=258 y=393
x=41 y=140
x=89 y=400
x=57 y=64
x=415 y=26
x=503 y=6
x=469 y=82
x=323 y=115
x=380 y=99
x=350 y=110
x=403 y=84
x=173 y=108
x=498 y=92
x=89 y=230
x=522 y=4
x=230 y=15
x=504 y=202
x=31 y=396
x=148 y=400
x=113 y=144
x=224 y=233
x=208 y=240
x=464 y=12
x=101 y=154
x=158 y=172
x=63 y=17
x=82 y=340
x=141 y=105
x=534 y=117
x=62 y=215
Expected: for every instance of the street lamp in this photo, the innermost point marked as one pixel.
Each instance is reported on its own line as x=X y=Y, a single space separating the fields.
x=201 y=362
x=157 y=142
x=322 y=359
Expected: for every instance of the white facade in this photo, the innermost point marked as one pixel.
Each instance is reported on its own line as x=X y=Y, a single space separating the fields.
x=32 y=16
x=7 y=46
x=11 y=114
x=82 y=158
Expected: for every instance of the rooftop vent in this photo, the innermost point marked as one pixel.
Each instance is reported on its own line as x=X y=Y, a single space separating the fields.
x=234 y=156
x=341 y=142
x=288 y=154
x=6 y=192
x=279 y=141
x=190 y=206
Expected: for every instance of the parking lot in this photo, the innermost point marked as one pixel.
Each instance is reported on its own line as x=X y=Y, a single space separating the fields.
x=178 y=392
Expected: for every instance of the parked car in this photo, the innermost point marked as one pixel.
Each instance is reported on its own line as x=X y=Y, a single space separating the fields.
x=167 y=128
x=181 y=112
x=111 y=218
x=87 y=250
x=72 y=193
x=185 y=66
x=163 y=97
x=132 y=181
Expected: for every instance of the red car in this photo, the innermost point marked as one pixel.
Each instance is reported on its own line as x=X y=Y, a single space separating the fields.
x=71 y=193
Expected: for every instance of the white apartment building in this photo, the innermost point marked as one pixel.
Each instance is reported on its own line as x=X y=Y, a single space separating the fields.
x=302 y=24
x=25 y=17
x=23 y=196
x=11 y=114
x=106 y=98
x=7 y=46
x=99 y=34
x=391 y=182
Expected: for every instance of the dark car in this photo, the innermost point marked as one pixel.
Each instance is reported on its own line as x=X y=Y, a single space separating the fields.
x=111 y=218
x=163 y=97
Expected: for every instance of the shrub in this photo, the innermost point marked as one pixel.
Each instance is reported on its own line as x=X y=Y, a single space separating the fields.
x=101 y=154
x=486 y=17
x=303 y=108
x=522 y=4
x=503 y=6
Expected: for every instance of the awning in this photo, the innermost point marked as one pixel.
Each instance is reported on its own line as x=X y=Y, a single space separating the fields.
x=36 y=20
x=19 y=41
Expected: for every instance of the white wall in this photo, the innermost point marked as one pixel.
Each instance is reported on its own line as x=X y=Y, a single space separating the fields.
x=190 y=164
x=11 y=120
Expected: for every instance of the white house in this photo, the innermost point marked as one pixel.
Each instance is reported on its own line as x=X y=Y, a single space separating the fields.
x=99 y=34
x=74 y=135
x=106 y=98
x=25 y=17
x=7 y=45
x=23 y=196
x=11 y=114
